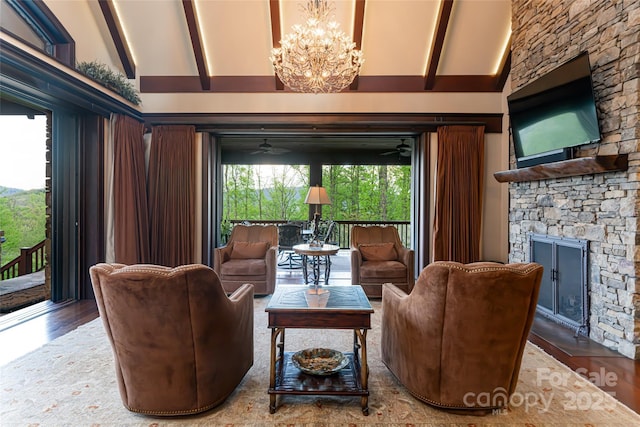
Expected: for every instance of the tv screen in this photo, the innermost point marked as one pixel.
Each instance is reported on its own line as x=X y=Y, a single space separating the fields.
x=554 y=113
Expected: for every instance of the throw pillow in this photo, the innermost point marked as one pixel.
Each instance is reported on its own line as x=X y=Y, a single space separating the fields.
x=378 y=251
x=249 y=250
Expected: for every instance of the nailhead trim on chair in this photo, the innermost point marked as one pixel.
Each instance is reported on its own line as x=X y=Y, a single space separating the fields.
x=501 y=267
x=167 y=413
x=155 y=269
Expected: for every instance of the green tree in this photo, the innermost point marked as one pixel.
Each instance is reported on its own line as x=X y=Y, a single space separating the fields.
x=239 y=192
x=285 y=199
x=22 y=217
x=357 y=192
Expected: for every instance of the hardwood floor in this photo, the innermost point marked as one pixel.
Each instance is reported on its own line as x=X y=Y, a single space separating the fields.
x=615 y=374
x=26 y=330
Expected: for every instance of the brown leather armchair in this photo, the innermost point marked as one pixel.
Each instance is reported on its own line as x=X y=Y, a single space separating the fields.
x=250 y=256
x=377 y=257
x=457 y=340
x=180 y=345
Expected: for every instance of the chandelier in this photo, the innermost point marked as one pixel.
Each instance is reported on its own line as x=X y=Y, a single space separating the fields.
x=317 y=56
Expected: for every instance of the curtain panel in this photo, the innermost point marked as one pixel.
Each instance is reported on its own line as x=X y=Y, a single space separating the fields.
x=130 y=212
x=172 y=194
x=459 y=192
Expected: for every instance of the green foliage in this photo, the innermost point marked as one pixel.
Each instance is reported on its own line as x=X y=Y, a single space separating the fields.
x=265 y=193
x=359 y=193
x=22 y=217
x=116 y=82
x=368 y=193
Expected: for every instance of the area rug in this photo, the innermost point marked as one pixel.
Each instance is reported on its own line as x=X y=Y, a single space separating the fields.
x=71 y=382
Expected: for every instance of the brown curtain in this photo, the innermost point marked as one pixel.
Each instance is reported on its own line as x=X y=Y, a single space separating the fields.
x=131 y=216
x=459 y=185
x=172 y=194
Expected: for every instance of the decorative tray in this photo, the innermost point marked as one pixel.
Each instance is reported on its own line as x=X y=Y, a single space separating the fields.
x=319 y=361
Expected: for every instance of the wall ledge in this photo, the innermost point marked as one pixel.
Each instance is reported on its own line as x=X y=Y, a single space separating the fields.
x=565 y=168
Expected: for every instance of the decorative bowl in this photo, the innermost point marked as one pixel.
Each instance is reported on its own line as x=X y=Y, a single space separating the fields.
x=319 y=361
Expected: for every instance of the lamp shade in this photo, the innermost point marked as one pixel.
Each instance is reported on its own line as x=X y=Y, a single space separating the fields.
x=317 y=196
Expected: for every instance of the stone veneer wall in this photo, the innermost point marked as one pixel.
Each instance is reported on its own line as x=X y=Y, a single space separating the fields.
x=601 y=208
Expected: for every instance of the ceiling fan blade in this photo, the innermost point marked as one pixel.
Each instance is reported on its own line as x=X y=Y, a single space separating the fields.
x=278 y=150
x=388 y=153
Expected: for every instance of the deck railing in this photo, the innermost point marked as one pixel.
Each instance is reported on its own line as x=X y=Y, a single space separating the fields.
x=342 y=232
x=30 y=260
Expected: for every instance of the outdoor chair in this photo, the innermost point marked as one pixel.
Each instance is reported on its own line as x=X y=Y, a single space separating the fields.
x=180 y=345
x=250 y=256
x=289 y=235
x=377 y=257
x=326 y=239
x=327 y=235
x=457 y=340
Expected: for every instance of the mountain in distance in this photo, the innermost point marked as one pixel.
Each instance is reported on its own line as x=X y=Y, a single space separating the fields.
x=8 y=191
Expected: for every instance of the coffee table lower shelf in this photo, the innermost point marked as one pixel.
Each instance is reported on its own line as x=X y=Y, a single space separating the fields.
x=291 y=380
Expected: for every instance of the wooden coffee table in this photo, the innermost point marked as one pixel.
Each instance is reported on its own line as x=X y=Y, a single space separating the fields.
x=336 y=307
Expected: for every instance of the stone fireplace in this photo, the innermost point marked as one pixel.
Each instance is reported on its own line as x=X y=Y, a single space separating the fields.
x=600 y=208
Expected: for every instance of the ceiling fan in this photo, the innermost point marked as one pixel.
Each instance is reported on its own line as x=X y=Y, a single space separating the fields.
x=266 y=148
x=401 y=149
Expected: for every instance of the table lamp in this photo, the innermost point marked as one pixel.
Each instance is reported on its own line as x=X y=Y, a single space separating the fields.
x=317 y=196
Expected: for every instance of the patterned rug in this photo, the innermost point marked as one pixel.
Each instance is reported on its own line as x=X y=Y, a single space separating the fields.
x=71 y=382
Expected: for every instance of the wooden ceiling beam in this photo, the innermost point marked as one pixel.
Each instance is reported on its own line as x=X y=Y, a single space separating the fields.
x=255 y=84
x=505 y=66
x=276 y=33
x=314 y=124
x=358 y=27
x=196 y=43
x=117 y=35
x=437 y=43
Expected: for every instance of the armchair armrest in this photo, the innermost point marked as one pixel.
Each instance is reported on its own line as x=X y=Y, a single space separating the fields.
x=243 y=292
x=221 y=255
x=271 y=259
x=407 y=257
x=238 y=325
x=356 y=261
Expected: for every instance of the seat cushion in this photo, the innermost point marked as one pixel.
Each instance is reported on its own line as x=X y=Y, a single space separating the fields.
x=378 y=251
x=244 y=267
x=249 y=250
x=383 y=270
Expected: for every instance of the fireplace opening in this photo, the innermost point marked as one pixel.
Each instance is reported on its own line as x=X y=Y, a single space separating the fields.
x=563 y=292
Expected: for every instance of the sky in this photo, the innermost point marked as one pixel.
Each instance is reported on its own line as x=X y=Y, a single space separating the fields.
x=22 y=151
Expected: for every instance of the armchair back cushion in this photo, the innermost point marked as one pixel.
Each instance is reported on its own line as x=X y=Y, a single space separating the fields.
x=378 y=251
x=250 y=256
x=377 y=257
x=249 y=250
x=461 y=332
x=180 y=345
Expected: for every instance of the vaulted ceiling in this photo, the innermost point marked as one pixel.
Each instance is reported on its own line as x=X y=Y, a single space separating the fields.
x=408 y=45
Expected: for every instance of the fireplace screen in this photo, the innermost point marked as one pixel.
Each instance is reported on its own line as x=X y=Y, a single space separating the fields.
x=563 y=291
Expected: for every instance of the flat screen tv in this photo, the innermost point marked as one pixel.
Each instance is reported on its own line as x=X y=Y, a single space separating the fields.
x=554 y=114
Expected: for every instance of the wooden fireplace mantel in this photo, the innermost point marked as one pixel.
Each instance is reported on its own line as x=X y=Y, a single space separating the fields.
x=565 y=168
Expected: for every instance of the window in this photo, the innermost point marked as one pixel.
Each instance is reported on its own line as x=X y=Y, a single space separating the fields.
x=33 y=23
